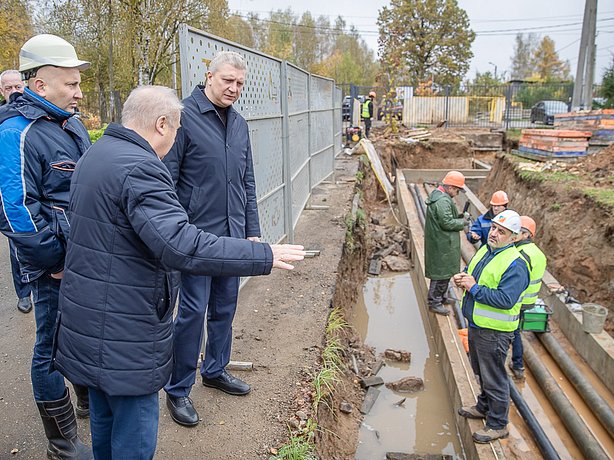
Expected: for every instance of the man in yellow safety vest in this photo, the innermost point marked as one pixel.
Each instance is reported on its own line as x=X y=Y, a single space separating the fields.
x=495 y=280
x=367 y=112
x=536 y=261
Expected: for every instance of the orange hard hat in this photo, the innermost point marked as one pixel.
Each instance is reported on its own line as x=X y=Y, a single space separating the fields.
x=527 y=223
x=499 y=198
x=455 y=178
x=372 y=94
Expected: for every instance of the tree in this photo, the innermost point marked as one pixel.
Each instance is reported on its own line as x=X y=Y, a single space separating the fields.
x=425 y=39
x=548 y=65
x=523 y=59
x=15 y=29
x=607 y=86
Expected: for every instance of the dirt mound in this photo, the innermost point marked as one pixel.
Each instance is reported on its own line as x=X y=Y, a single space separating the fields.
x=434 y=154
x=574 y=231
x=600 y=164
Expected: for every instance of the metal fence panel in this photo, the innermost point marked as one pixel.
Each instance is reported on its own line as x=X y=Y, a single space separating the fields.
x=294 y=121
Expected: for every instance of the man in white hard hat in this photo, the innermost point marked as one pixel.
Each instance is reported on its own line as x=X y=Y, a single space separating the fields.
x=41 y=142
x=496 y=277
x=10 y=83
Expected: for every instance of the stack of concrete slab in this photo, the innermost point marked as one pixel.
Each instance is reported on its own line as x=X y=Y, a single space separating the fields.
x=553 y=143
x=599 y=122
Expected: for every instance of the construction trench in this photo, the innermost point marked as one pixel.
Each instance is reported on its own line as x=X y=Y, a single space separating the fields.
x=563 y=408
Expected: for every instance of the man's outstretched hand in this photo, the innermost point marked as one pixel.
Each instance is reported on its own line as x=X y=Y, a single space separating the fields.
x=283 y=253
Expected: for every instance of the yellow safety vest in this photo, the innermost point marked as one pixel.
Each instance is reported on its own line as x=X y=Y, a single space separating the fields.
x=484 y=315
x=536 y=261
x=365 y=109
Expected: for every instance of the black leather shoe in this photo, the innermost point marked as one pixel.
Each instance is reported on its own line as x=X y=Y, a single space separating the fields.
x=228 y=384
x=24 y=305
x=182 y=410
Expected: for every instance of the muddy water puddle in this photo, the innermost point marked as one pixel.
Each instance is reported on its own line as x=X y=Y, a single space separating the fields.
x=388 y=316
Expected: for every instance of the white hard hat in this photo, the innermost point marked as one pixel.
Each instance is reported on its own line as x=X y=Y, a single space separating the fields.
x=46 y=49
x=508 y=219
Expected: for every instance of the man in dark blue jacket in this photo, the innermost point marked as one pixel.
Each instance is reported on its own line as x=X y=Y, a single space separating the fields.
x=41 y=141
x=211 y=163
x=115 y=330
x=10 y=83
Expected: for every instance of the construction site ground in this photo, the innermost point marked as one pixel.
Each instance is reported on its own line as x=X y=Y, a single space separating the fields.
x=281 y=318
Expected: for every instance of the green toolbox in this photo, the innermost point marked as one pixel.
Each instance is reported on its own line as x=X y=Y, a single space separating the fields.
x=536 y=319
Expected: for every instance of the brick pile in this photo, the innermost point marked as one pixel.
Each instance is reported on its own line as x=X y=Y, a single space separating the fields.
x=553 y=143
x=599 y=122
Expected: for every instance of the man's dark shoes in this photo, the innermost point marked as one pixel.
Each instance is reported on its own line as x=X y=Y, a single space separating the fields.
x=24 y=305
x=470 y=412
x=440 y=310
x=182 y=410
x=228 y=384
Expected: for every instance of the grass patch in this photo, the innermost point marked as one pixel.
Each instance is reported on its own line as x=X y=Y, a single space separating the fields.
x=555 y=207
x=604 y=196
x=96 y=134
x=544 y=176
x=513 y=134
x=301 y=446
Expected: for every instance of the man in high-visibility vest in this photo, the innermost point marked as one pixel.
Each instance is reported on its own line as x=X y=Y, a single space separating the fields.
x=536 y=261
x=367 y=112
x=480 y=228
x=496 y=277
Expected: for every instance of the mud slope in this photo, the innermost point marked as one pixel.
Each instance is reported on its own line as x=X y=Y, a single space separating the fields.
x=575 y=232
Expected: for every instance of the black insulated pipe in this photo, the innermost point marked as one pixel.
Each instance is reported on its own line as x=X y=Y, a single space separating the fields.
x=544 y=444
x=582 y=436
x=417 y=203
x=598 y=405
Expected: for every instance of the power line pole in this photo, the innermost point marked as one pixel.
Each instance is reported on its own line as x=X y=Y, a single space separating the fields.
x=583 y=86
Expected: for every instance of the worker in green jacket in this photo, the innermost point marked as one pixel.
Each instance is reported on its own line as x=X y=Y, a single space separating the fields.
x=536 y=261
x=442 y=239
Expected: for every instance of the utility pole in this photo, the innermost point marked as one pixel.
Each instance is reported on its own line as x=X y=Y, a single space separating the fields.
x=583 y=86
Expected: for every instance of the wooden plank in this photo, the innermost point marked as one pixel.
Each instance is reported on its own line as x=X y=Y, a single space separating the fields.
x=370 y=398
x=372 y=381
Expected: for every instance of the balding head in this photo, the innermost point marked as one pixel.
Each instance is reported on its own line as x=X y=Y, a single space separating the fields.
x=10 y=82
x=154 y=112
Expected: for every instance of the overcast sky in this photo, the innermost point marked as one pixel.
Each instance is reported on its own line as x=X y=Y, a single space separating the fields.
x=496 y=22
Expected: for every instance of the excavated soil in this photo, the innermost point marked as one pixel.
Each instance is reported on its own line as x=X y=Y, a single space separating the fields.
x=575 y=231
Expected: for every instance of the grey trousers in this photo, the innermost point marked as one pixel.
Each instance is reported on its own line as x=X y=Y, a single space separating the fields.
x=437 y=292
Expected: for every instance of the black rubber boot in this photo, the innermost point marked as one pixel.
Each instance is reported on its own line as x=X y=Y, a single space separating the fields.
x=83 y=401
x=61 y=429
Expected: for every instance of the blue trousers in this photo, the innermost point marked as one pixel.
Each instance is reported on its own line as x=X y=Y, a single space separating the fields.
x=217 y=297
x=487 y=352
x=47 y=386
x=21 y=289
x=123 y=427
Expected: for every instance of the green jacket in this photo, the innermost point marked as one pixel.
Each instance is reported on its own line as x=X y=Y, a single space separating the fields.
x=441 y=237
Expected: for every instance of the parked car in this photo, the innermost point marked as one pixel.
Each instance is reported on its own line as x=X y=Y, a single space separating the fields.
x=346 y=107
x=544 y=111
x=395 y=109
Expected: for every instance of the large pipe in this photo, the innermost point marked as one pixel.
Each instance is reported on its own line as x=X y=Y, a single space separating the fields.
x=420 y=200
x=544 y=444
x=462 y=324
x=585 y=440
x=417 y=203
x=599 y=406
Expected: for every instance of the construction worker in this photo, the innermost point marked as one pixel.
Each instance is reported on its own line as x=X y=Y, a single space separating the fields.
x=10 y=83
x=442 y=239
x=481 y=226
x=496 y=277
x=536 y=261
x=367 y=112
x=41 y=141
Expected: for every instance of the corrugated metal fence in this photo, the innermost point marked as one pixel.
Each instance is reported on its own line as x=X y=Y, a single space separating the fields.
x=294 y=120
